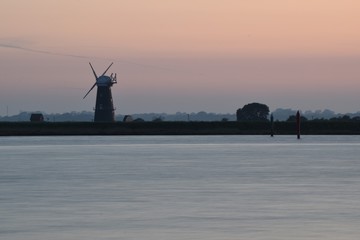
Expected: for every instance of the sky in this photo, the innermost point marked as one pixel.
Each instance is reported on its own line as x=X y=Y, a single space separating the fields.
x=180 y=55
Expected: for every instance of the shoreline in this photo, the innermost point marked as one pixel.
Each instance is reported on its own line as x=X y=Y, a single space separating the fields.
x=176 y=128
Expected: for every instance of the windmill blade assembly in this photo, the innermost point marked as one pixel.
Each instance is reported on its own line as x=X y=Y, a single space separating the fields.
x=107 y=69
x=104 y=109
x=96 y=77
x=89 y=90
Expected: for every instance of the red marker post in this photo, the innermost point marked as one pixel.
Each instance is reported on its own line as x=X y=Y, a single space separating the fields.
x=298 y=124
x=271 y=125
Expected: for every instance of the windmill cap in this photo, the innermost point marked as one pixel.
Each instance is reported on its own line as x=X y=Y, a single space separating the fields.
x=103 y=81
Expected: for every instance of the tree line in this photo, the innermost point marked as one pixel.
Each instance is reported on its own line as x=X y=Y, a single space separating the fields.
x=249 y=112
x=260 y=112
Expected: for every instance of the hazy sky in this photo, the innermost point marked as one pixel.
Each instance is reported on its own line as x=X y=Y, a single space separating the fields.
x=180 y=55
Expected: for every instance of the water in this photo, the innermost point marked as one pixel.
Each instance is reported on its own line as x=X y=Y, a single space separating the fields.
x=179 y=187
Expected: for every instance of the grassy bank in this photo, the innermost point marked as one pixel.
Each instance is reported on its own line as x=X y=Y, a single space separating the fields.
x=175 y=128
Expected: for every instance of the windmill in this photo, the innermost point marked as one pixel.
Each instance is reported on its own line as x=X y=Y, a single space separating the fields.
x=104 y=108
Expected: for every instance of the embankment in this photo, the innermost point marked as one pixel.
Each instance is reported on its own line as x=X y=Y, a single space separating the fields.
x=176 y=128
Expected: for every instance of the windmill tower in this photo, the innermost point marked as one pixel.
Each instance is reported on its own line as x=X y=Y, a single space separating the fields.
x=104 y=108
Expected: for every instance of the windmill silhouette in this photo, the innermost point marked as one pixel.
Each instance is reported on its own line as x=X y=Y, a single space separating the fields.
x=104 y=107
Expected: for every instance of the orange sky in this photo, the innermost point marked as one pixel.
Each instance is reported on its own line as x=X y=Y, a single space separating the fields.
x=206 y=48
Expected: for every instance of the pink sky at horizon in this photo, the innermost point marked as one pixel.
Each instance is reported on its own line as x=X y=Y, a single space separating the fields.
x=183 y=56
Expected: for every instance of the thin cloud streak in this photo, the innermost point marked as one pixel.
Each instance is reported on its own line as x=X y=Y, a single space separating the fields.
x=21 y=48
x=39 y=51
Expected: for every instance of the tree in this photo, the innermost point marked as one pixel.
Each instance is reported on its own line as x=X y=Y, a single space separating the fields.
x=253 y=112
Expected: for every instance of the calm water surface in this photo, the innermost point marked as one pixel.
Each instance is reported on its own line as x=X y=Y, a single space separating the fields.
x=180 y=187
